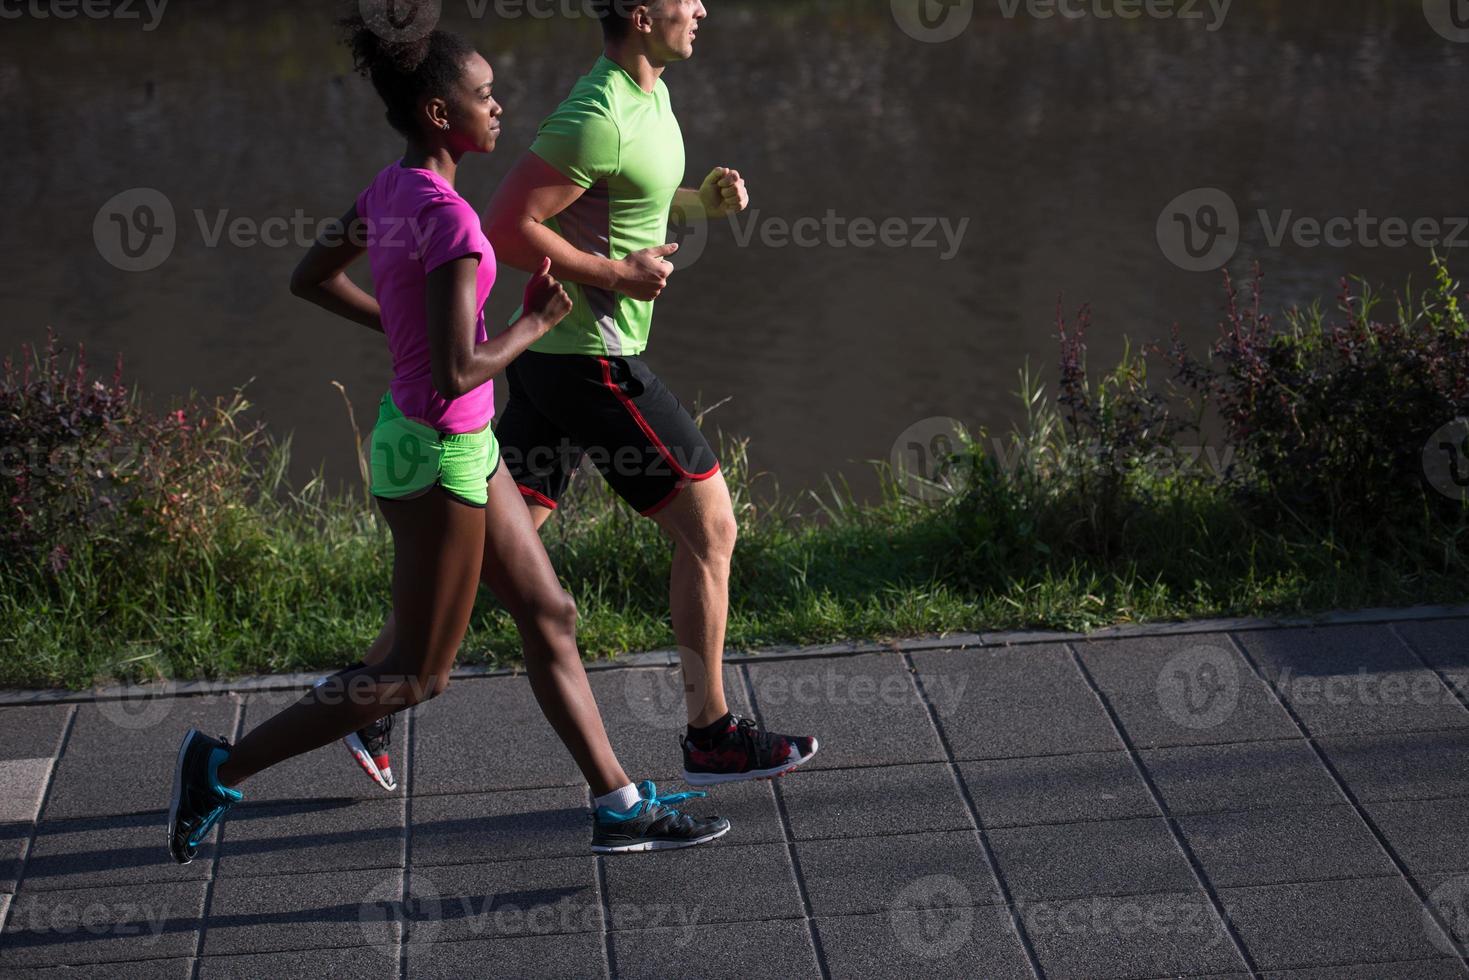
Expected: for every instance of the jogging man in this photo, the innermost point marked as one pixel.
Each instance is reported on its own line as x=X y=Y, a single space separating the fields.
x=594 y=193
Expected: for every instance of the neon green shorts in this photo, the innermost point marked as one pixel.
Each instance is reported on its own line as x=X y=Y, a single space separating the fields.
x=408 y=457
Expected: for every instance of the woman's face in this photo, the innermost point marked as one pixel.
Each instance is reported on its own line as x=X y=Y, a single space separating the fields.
x=471 y=110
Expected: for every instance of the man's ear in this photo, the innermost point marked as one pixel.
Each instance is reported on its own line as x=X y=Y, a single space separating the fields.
x=642 y=18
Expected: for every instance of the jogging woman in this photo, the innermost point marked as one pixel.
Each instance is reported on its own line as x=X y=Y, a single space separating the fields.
x=456 y=516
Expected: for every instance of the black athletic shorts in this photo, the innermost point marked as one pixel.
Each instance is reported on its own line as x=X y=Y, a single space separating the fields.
x=611 y=410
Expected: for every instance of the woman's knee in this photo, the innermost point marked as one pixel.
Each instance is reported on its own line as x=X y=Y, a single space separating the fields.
x=554 y=611
x=409 y=683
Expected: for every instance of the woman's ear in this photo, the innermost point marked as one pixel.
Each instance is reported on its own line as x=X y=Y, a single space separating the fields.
x=436 y=111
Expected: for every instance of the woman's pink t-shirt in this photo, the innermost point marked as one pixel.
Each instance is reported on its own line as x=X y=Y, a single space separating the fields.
x=416 y=222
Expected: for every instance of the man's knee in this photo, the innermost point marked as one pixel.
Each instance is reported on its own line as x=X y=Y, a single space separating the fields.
x=713 y=537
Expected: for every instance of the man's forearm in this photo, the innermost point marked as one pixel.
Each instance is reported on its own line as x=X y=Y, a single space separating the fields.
x=525 y=244
x=686 y=201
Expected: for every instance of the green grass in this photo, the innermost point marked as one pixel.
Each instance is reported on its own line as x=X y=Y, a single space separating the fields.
x=299 y=580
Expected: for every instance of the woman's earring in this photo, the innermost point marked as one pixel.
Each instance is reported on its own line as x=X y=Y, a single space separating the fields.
x=444 y=125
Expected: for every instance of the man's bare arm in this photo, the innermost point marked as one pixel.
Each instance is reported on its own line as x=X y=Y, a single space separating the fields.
x=535 y=191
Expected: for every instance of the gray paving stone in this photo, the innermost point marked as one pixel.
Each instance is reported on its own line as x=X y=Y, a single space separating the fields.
x=1275 y=846
x=501 y=826
x=497 y=711
x=507 y=899
x=304 y=912
x=643 y=710
x=99 y=925
x=22 y=785
x=676 y=888
x=771 y=950
x=1417 y=969
x=1134 y=936
x=112 y=768
x=177 y=968
x=1057 y=789
x=94 y=852
x=864 y=710
x=1398 y=767
x=1354 y=921
x=1204 y=779
x=313 y=836
x=32 y=733
x=749 y=806
x=1427 y=835
x=361 y=963
x=903 y=945
x=1111 y=857
x=568 y=956
x=1184 y=690
x=327 y=773
x=1353 y=680
x=1015 y=702
x=864 y=802
x=1444 y=645
x=14 y=838
x=874 y=874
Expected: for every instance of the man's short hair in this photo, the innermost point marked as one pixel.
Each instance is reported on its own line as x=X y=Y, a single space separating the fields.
x=616 y=16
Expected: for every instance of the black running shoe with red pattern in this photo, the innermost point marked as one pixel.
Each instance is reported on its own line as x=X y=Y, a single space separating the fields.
x=369 y=746
x=742 y=752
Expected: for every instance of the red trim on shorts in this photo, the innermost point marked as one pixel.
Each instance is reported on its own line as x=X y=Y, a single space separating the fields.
x=652 y=436
x=676 y=490
x=537 y=496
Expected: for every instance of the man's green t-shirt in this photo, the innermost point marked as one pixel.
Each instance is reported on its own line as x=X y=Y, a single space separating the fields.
x=625 y=147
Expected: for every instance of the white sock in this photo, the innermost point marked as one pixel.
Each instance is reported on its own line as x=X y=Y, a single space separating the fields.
x=620 y=800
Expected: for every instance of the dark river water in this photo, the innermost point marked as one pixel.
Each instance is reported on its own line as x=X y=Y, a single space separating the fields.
x=918 y=206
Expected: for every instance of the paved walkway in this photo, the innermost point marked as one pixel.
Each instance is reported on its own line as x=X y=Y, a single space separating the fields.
x=1248 y=802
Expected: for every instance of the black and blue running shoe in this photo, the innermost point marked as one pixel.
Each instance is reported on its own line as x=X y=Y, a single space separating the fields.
x=198 y=798
x=653 y=825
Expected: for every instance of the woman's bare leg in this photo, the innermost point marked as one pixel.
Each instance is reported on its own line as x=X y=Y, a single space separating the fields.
x=437 y=551
x=517 y=569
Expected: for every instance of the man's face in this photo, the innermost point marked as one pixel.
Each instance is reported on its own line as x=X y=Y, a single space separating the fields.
x=675 y=22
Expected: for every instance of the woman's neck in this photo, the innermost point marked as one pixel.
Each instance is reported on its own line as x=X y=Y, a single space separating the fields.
x=437 y=159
